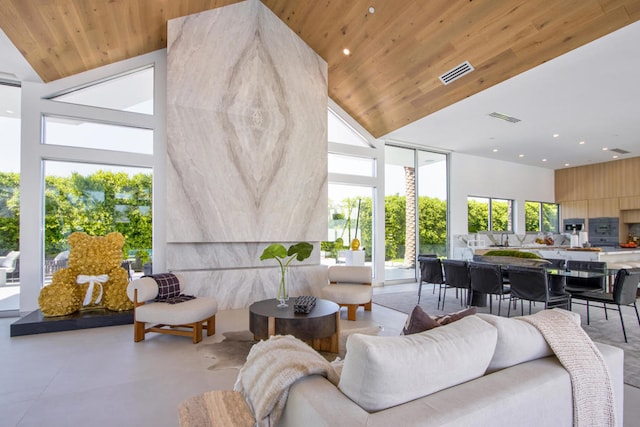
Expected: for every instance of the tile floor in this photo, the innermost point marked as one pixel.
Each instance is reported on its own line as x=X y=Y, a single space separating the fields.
x=100 y=377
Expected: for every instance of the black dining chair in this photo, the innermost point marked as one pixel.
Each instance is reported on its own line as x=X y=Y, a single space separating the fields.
x=625 y=288
x=556 y=283
x=574 y=284
x=487 y=279
x=456 y=275
x=430 y=272
x=532 y=284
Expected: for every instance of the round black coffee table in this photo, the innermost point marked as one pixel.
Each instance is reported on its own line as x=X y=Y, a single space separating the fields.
x=320 y=328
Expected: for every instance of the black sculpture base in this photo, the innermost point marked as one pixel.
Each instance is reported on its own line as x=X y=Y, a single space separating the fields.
x=36 y=323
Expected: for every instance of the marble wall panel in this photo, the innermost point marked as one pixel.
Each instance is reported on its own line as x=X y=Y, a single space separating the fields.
x=246 y=129
x=241 y=288
x=215 y=256
x=246 y=153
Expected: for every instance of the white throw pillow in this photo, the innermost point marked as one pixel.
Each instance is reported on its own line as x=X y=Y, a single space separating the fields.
x=381 y=371
x=518 y=341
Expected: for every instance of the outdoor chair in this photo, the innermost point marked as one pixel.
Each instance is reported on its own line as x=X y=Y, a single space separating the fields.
x=456 y=275
x=532 y=284
x=10 y=264
x=430 y=272
x=487 y=279
x=625 y=288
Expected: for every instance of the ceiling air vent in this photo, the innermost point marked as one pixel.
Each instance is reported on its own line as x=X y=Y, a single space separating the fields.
x=456 y=73
x=619 y=150
x=504 y=117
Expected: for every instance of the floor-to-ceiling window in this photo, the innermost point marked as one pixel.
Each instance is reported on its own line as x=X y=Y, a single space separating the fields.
x=432 y=203
x=9 y=198
x=93 y=197
x=96 y=199
x=352 y=167
x=415 y=209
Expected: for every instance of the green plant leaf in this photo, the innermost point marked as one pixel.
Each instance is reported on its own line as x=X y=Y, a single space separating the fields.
x=275 y=250
x=301 y=250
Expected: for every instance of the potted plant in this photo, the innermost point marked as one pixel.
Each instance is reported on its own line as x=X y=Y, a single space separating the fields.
x=299 y=251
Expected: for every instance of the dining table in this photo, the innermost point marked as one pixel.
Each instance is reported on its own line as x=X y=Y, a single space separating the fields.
x=557 y=278
x=558 y=285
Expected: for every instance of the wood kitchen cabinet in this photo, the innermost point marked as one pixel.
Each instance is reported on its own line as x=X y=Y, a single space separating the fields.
x=631 y=202
x=604 y=208
x=574 y=209
x=630 y=217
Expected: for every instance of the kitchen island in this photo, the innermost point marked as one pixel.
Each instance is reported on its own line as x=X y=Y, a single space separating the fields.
x=614 y=257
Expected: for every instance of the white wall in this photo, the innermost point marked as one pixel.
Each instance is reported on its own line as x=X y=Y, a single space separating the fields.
x=483 y=177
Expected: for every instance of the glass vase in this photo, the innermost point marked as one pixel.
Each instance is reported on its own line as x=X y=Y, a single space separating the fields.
x=283 y=292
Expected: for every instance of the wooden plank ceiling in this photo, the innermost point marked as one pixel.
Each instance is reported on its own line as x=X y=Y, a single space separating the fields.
x=390 y=78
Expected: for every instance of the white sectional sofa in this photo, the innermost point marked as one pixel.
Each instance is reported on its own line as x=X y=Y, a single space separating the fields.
x=481 y=370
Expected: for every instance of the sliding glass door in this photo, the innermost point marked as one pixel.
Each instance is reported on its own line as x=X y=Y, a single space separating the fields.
x=415 y=209
x=10 y=199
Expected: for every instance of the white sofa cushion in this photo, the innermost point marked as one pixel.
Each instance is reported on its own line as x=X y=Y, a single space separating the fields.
x=348 y=294
x=183 y=313
x=381 y=372
x=518 y=341
x=350 y=274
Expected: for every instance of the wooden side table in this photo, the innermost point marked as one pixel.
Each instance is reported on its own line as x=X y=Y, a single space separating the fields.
x=320 y=328
x=220 y=408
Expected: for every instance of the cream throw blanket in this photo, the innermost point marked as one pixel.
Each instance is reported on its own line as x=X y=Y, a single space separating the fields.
x=272 y=367
x=593 y=403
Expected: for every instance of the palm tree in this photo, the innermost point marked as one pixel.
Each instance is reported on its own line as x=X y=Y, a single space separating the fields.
x=410 y=218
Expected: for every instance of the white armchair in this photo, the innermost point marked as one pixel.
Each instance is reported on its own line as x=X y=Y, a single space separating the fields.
x=349 y=286
x=187 y=318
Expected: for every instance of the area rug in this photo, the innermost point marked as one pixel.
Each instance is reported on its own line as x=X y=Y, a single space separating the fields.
x=599 y=329
x=232 y=351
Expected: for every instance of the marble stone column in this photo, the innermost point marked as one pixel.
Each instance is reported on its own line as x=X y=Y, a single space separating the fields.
x=246 y=152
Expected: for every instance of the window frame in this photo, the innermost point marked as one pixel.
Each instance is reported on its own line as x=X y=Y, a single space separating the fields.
x=490 y=221
x=540 y=217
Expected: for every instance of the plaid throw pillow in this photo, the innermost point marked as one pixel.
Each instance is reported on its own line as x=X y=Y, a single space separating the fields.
x=169 y=288
x=178 y=299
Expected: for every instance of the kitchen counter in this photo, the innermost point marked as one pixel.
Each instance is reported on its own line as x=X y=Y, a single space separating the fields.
x=610 y=255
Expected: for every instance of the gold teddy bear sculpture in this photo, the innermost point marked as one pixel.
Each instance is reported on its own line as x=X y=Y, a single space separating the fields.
x=94 y=277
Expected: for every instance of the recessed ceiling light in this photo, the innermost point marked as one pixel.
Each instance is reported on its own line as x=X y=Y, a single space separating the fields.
x=495 y=150
x=581 y=142
x=555 y=135
x=346 y=51
x=544 y=160
x=9 y=111
x=615 y=157
x=604 y=148
x=566 y=164
x=372 y=9
x=521 y=155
